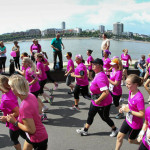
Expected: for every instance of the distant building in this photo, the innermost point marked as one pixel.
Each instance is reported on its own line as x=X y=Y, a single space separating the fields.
x=33 y=32
x=78 y=30
x=109 y=31
x=135 y=34
x=50 y=31
x=117 y=28
x=102 y=29
x=63 y=25
x=70 y=31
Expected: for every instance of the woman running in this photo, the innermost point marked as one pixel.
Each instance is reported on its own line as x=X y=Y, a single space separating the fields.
x=70 y=69
x=135 y=110
x=106 y=62
x=115 y=84
x=42 y=77
x=89 y=59
x=125 y=62
x=29 y=119
x=9 y=106
x=81 y=81
x=100 y=99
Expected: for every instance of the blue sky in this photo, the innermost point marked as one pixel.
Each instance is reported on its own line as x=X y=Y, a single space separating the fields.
x=20 y=15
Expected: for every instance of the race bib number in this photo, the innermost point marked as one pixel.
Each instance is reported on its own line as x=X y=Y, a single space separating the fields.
x=34 y=51
x=129 y=117
x=147 y=140
x=111 y=87
x=124 y=63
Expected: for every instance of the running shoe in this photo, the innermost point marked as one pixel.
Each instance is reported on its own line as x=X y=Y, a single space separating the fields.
x=70 y=92
x=44 y=109
x=51 y=91
x=56 y=86
x=120 y=116
x=82 y=132
x=51 y=100
x=44 y=101
x=74 y=108
x=122 y=84
x=43 y=117
x=149 y=99
x=121 y=100
x=114 y=133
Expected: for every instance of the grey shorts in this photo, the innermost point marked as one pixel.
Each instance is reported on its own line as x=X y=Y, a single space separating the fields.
x=69 y=79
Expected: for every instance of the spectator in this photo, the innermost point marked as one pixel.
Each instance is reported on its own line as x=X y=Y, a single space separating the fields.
x=142 y=66
x=2 y=57
x=35 y=48
x=105 y=43
x=57 y=51
x=16 y=48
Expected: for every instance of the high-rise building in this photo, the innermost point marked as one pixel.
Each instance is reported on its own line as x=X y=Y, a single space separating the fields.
x=102 y=29
x=117 y=28
x=63 y=25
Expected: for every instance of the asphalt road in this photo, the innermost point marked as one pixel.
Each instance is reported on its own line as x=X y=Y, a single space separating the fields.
x=63 y=122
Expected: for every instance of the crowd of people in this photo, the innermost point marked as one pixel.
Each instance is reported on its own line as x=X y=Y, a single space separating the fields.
x=106 y=77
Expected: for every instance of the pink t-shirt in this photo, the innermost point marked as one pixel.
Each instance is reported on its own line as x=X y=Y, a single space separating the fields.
x=81 y=81
x=147 y=118
x=116 y=76
x=135 y=104
x=98 y=85
x=42 y=76
x=31 y=103
x=90 y=58
x=70 y=64
x=30 y=75
x=8 y=103
x=125 y=60
x=46 y=66
x=35 y=48
x=23 y=68
x=148 y=60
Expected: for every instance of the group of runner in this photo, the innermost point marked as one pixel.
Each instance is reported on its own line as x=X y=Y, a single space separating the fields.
x=106 y=78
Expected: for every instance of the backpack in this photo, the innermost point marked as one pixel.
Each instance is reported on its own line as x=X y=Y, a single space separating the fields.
x=135 y=65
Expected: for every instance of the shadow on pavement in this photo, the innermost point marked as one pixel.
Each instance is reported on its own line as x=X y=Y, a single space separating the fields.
x=5 y=141
x=66 y=122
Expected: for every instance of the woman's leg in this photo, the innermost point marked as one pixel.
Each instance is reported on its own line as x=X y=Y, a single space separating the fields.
x=119 y=141
x=27 y=146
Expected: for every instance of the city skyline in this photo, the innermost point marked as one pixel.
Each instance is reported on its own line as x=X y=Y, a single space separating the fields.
x=21 y=16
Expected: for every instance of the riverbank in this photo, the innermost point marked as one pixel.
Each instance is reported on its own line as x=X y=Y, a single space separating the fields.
x=80 y=38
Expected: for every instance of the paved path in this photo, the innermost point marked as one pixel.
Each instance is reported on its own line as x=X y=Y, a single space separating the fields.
x=63 y=122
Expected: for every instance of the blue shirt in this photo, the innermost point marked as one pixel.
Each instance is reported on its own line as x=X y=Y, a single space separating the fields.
x=56 y=43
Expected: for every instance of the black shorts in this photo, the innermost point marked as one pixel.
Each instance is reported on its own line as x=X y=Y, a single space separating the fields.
x=116 y=99
x=14 y=135
x=125 y=128
x=42 y=83
x=83 y=90
x=126 y=68
x=39 y=146
x=69 y=79
x=142 y=147
x=36 y=93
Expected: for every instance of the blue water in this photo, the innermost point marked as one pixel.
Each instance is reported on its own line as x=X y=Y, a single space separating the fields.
x=80 y=46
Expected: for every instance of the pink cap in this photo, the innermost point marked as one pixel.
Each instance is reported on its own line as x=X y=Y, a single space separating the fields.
x=79 y=56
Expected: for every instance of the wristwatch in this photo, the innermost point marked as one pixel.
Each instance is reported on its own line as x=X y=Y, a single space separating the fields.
x=130 y=112
x=16 y=124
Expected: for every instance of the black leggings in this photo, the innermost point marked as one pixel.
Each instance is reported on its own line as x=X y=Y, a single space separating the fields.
x=17 y=64
x=14 y=135
x=83 y=90
x=39 y=146
x=142 y=147
x=48 y=73
x=103 y=113
x=2 y=62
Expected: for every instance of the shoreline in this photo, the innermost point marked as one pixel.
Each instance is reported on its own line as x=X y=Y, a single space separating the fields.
x=80 y=38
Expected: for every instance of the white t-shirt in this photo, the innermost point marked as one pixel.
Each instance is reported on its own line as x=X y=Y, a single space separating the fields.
x=105 y=44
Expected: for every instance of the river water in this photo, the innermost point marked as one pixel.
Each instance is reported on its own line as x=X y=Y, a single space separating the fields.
x=80 y=46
